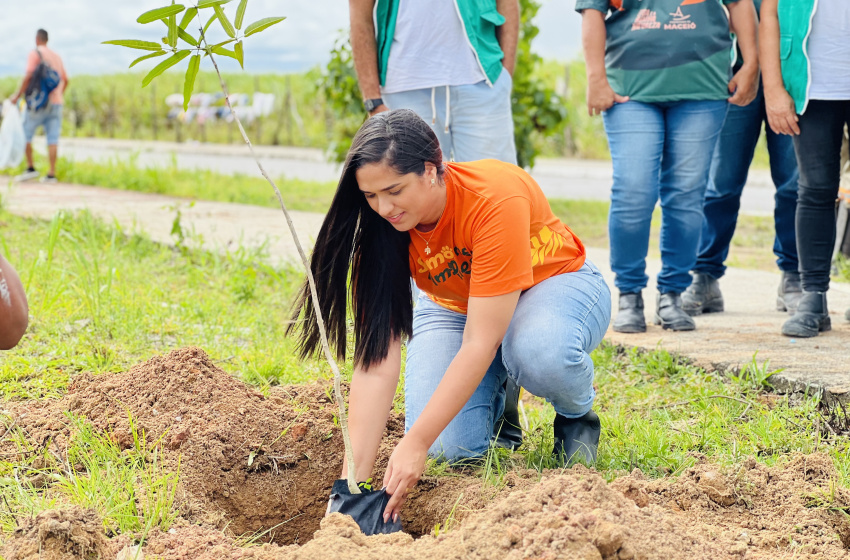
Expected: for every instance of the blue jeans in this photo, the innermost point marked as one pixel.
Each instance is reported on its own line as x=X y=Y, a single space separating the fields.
x=546 y=350
x=729 y=168
x=659 y=150
x=50 y=118
x=480 y=123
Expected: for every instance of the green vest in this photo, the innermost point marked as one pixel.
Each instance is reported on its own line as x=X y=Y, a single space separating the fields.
x=795 y=24
x=480 y=19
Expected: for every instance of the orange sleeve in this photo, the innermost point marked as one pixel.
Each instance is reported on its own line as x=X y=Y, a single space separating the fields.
x=501 y=258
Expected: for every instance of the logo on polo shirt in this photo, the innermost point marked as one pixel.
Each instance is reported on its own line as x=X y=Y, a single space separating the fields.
x=646 y=19
x=680 y=20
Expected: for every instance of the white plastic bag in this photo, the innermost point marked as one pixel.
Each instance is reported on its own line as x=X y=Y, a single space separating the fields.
x=12 y=142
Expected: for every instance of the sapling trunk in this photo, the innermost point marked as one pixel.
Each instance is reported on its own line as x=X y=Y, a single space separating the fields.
x=340 y=401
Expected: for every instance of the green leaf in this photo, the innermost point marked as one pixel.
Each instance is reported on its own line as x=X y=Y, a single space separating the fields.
x=224 y=52
x=135 y=44
x=183 y=34
x=189 y=84
x=240 y=13
x=262 y=25
x=160 y=13
x=188 y=17
x=165 y=65
x=223 y=43
x=240 y=54
x=210 y=3
x=225 y=23
x=172 y=31
x=147 y=56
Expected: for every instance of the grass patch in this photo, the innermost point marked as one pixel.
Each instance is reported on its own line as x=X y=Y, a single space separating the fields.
x=127 y=174
x=101 y=301
x=661 y=414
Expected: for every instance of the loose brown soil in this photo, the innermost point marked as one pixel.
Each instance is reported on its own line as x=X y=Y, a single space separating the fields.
x=250 y=462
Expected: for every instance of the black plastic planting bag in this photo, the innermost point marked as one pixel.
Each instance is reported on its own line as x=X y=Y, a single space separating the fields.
x=366 y=508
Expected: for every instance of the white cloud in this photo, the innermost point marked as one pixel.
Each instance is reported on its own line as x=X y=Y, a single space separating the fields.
x=77 y=28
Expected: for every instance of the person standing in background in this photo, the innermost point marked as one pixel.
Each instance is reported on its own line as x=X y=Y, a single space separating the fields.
x=50 y=117
x=729 y=168
x=450 y=61
x=660 y=73
x=806 y=67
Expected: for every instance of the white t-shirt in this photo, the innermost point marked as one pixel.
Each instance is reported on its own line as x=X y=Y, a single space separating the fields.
x=430 y=48
x=829 y=51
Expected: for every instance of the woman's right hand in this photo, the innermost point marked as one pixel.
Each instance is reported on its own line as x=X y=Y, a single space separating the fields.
x=600 y=96
x=781 y=112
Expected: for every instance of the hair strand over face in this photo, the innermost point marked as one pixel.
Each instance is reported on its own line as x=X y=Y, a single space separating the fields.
x=354 y=240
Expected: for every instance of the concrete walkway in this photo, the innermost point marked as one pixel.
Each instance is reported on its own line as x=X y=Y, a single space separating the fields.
x=722 y=341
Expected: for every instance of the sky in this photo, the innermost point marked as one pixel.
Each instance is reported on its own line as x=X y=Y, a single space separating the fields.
x=77 y=27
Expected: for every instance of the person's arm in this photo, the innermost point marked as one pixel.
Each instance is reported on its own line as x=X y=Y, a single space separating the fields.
x=14 y=312
x=508 y=33
x=370 y=400
x=779 y=105
x=486 y=324
x=600 y=96
x=24 y=84
x=744 y=85
x=364 y=49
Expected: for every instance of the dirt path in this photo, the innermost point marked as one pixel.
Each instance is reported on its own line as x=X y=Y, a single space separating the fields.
x=725 y=340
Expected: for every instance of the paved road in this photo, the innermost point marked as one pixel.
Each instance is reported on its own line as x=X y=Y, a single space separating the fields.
x=559 y=178
x=722 y=341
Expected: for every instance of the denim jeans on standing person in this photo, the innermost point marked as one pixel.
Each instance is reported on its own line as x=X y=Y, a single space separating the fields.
x=479 y=118
x=546 y=350
x=729 y=168
x=818 y=149
x=659 y=151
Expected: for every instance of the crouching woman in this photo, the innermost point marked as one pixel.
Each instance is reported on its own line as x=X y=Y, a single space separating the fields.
x=506 y=290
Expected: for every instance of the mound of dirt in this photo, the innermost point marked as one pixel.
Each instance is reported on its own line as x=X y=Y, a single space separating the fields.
x=72 y=534
x=251 y=463
x=247 y=462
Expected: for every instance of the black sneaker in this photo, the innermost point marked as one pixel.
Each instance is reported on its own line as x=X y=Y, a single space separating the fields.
x=811 y=317
x=670 y=315
x=702 y=296
x=790 y=291
x=577 y=439
x=630 y=317
x=27 y=175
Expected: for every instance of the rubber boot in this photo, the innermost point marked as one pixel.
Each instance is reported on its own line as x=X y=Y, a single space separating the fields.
x=702 y=296
x=576 y=439
x=507 y=431
x=630 y=317
x=670 y=315
x=790 y=291
x=810 y=318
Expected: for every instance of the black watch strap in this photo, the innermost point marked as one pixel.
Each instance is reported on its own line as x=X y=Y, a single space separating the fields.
x=372 y=104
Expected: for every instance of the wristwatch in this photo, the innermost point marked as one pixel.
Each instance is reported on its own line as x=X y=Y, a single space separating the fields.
x=372 y=104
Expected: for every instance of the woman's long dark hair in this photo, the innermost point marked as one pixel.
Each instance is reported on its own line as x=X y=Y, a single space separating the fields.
x=355 y=239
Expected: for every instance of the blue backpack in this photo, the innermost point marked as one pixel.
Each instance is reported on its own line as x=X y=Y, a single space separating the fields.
x=44 y=79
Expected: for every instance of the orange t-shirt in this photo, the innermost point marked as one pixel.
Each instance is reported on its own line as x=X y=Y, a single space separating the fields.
x=497 y=235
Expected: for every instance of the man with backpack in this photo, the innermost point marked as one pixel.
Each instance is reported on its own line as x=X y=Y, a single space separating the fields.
x=43 y=86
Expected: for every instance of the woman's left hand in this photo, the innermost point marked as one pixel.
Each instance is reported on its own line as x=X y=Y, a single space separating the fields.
x=407 y=463
x=744 y=85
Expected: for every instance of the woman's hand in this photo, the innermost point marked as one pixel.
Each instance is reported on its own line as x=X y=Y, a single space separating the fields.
x=744 y=85
x=600 y=96
x=781 y=112
x=407 y=463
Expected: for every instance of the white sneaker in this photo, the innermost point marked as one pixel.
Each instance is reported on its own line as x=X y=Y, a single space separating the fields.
x=50 y=179
x=26 y=176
